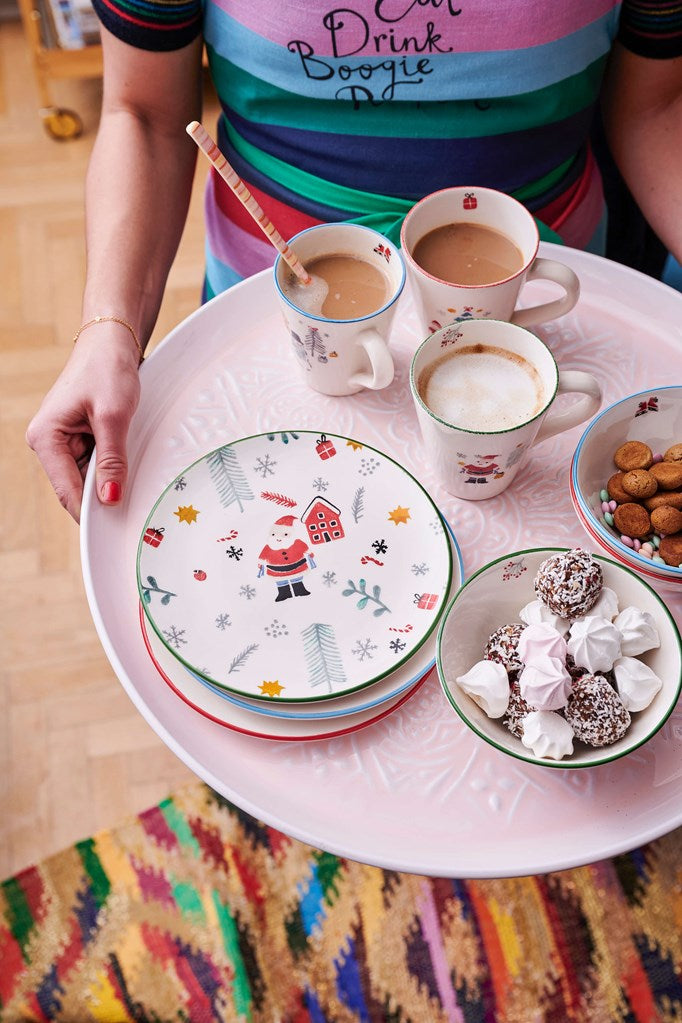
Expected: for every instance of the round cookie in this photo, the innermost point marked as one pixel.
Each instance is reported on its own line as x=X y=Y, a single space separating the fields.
x=615 y=488
x=595 y=711
x=671 y=550
x=633 y=455
x=668 y=475
x=669 y=498
x=569 y=583
x=632 y=520
x=673 y=454
x=639 y=483
x=502 y=646
x=666 y=519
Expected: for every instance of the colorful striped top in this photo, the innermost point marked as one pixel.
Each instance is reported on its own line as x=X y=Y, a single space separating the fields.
x=354 y=112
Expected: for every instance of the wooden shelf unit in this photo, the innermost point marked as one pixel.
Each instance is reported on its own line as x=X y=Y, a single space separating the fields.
x=55 y=62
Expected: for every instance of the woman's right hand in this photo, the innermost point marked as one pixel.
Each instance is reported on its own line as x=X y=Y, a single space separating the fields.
x=90 y=404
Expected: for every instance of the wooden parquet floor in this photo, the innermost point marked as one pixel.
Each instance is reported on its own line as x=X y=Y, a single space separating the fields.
x=75 y=754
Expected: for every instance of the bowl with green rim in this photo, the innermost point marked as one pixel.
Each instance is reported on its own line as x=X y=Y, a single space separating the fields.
x=494 y=596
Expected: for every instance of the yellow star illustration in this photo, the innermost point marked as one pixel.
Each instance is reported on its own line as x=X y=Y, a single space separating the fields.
x=354 y=445
x=271 y=688
x=186 y=513
x=399 y=515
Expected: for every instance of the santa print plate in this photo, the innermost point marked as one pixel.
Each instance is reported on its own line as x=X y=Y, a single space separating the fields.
x=300 y=571
x=207 y=703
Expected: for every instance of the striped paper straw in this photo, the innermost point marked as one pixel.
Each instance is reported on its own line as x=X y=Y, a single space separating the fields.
x=229 y=174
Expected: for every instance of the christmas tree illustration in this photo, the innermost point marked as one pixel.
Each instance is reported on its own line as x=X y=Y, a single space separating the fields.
x=228 y=477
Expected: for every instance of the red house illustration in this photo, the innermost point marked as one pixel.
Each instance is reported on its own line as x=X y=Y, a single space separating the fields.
x=322 y=519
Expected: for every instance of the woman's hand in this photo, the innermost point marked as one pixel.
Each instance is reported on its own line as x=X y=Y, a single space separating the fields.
x=91 y=404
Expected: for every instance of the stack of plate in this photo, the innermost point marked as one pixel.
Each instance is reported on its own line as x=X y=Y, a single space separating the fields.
x=291 y=584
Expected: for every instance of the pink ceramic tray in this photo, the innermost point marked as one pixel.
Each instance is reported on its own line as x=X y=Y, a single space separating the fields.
x=416 y=791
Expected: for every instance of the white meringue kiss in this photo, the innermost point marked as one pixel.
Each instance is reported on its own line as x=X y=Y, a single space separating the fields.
x=487 y=684
x=594 y=643
x=638 y=631
x=545 y=684
x=607 y=604
x=547 y=734
x=637 y=683
x=536 y=612
x=540 y=640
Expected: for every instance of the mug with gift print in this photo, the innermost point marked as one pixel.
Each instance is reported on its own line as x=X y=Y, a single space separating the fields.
x=339 y=325
x=469 y=252
x=484 y=391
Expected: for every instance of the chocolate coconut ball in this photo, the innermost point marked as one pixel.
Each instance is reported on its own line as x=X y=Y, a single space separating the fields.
x=516 y=709
x=569 y=583
x=502 y=646
x=596 y=712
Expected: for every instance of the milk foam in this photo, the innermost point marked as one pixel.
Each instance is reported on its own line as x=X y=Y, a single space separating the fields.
x=308 y=297
x=483 y=388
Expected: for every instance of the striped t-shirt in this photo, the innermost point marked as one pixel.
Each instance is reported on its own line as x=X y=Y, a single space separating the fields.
x=334 y=112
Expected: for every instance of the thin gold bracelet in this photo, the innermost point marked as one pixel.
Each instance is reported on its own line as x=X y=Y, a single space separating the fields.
x=111 y=319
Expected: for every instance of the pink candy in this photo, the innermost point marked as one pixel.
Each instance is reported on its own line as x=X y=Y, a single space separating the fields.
x=628 y=541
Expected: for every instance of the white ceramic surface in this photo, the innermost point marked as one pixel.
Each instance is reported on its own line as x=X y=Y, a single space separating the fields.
x=288 y=570
x=211 y=706
x=417 y=791
x=494 y=596
x=653 y=416
x=397 y=682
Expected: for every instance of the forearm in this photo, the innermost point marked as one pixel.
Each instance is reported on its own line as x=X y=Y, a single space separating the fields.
x=644 y=129
x=137 y=193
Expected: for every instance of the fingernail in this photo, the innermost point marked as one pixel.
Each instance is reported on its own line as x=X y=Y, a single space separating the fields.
x=111 y=492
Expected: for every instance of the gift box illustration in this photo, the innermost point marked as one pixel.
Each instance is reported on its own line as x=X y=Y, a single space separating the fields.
x=153 y=536
x=470 y=202
x=325 y=448
x=427 y=601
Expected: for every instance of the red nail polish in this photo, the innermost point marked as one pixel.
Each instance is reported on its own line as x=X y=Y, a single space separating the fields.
x=111 y=492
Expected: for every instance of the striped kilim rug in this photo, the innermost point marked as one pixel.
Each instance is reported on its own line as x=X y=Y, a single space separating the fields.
x=193 y=911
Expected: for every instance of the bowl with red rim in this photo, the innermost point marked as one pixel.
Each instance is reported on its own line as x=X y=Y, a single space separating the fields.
x=654 y=417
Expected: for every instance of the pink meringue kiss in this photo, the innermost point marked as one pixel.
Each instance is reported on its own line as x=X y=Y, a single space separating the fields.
x=545 y=684
x=540 y=640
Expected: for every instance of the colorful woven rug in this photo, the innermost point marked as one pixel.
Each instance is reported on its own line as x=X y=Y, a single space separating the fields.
x=193 y=911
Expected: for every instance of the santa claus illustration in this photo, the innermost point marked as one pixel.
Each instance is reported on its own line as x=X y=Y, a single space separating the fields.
x=482 y=469
x=285 y=559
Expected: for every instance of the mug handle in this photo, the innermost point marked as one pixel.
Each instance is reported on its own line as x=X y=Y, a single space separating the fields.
x=549 y=270
x=381 y=363
x=571 y=382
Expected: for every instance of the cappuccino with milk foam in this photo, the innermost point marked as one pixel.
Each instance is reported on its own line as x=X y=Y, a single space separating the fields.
x=483 y=388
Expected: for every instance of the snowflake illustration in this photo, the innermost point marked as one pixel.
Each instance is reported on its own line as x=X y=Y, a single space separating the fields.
x=329 y=578
x=276 y=629
x=180 y=483
x=364 y=649
x=223 y=622
x=436 y=525
x=235 y=553
x=320 y=485
x=420 y=569
x=368 y=466
x=397 y=645
x=247 y=591
x=175 y=636
x=380 y=546
x=265 y=466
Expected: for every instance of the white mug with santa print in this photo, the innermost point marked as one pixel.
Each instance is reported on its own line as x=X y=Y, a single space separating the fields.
x=342 y=355
x=485 y=391
x=445 y=299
